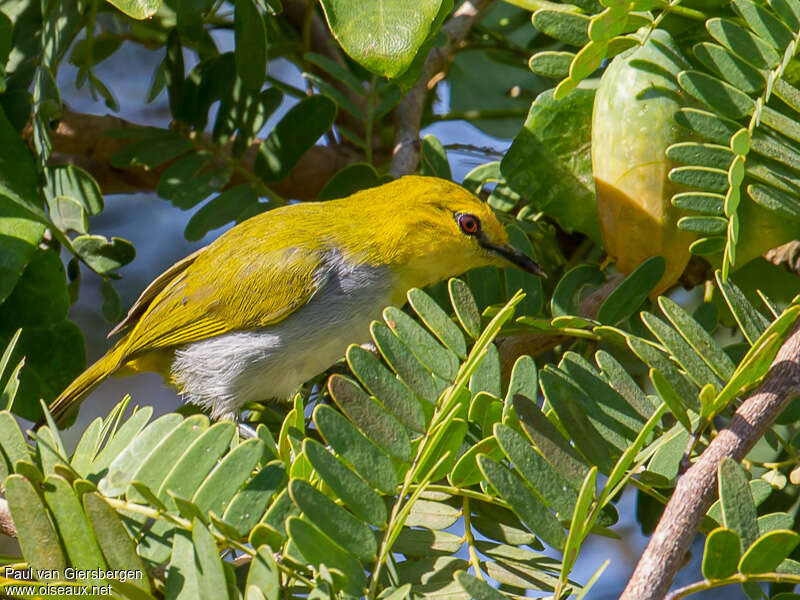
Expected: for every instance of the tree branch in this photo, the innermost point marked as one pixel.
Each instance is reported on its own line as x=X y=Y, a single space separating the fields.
x=696 y=489
x=408 y=114
x=81 y=139
x=6 y=522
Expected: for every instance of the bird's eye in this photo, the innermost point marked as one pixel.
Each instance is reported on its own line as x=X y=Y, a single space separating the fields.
x=469 y=224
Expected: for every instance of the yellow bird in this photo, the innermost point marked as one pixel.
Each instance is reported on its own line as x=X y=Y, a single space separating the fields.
x=277 y=299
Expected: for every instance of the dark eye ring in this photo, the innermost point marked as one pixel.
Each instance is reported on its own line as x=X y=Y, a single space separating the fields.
x=469 y=224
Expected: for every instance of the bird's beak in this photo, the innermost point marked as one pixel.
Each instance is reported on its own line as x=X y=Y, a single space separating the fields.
x=515 y=257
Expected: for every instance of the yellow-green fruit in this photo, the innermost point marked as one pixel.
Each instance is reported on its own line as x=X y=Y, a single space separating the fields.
x=632 y=126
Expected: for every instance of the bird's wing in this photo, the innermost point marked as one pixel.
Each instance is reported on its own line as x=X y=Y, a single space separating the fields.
x=151 y=291
x=226 y=288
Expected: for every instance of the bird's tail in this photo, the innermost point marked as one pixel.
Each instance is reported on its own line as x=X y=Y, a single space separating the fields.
x=63 y=407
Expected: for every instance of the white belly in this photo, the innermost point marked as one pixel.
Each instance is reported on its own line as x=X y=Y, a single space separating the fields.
x=227 y=371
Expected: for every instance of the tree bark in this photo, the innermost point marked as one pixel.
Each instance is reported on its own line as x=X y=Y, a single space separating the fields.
x=697 y=488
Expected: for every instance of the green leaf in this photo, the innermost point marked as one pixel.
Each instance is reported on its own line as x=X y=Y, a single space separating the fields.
x=197 y=461
x=551 y=64
x=524 y=380
x=630 y=294
x=757 y=360
x=487 y=376
x=219 y=488
x=774 y=521
x=153 y=470
x=549 y=162
x=226 y=207
x=411 y=371
x=717 y=95
x=264 y=574
x=124 y=466
x=384 y=37
x=121 y=439
x=37 y=536
x=560 y=393
x=381 y=383
x=319 y=549
x=751 y=322
x=549 y=441
x=118 y=548
x=465 y=472
x=152 y=152
x=250 y=35
x=349 y=180
x=738 y=507
x=366 y=459
x=19 y=239
x=708 y=246
x=18 y=175
x=618 y=377
x=704 y=155
x=249 y=504
x=40 y=298
x=464 y=306
x=112 y=303
x=571 y=28
x=721 y=553
x=564 y=300
x=775 y=200
x=768 y=551
x=104 y=256
x=656 y=359
x=743 y=43
x=437 y=321
x=138 y=9
x=698 y=338
x=339 y=72
x=670 y=397
x=764 y=24
x=712 y=127
x=701 y=178
x=477 y=588
x=12 y=442
x=614 y=413
x=523 y=502
x=432 y=514
x=425 y=542
x=730 y=67
x=349 y=532
x=354 y=492
x=72 y=524
x=441 y=361
x=681 y=351
x=294 y=134
x=433 y=158
x=548 y=483
x=788 y=10
x=447 y=441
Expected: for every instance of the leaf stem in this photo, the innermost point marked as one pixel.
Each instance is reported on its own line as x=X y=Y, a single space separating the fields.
x=473 y=555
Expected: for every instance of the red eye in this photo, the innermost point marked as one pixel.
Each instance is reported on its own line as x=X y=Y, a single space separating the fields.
x=469 y=224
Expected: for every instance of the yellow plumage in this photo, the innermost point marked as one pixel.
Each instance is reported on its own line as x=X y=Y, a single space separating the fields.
x=400 y=235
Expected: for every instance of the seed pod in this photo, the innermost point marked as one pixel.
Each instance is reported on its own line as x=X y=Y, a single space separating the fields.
x=632 y=126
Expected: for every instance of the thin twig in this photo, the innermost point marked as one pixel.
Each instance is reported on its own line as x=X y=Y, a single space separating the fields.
x=696 y=490
x=408 y=114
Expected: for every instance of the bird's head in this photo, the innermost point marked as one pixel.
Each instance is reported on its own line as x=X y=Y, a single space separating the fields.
x=436 y=229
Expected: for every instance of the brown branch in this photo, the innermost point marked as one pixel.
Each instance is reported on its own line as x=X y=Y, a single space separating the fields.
x=6 y=522
x=787 y=256
x=696 y=489
x=81 y=139
x=408 y=114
